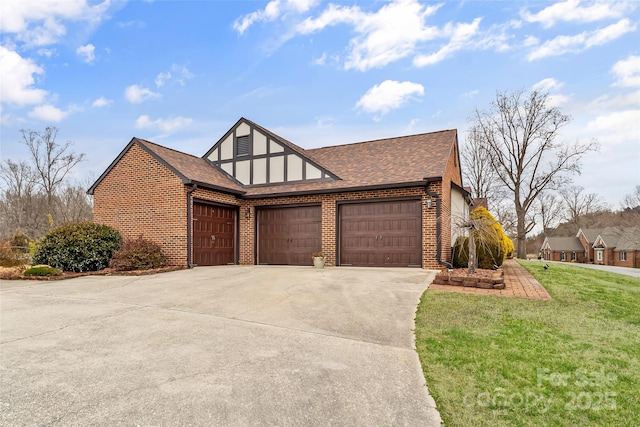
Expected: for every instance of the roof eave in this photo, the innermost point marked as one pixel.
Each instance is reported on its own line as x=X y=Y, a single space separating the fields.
x=339 y=190
x=214 y=187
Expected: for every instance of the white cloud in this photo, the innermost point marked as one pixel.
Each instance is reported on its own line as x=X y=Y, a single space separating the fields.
x=46 y=52
x=384 y=36
x=136 y=94
x=17 y=79
x=162 y=78
x=178 y=73
x=531 y=41
x=550 y=85
x=321 y=60
x=459 y=34
x=627 y=72
x=579 y=42
x=39 y=23
x=273 y=10
x=87 y=53
x=621 y=121
x=48 y=113
x=547 y=85
x=388 y=95
x=102 y=102
x=471 y=94
x=573 y=10
x=165 y=125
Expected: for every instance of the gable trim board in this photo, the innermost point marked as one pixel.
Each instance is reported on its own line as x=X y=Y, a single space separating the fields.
x=352 y=174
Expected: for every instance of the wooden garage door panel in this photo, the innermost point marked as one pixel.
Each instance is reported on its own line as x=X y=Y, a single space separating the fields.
x=381 y=234
x=219 y=222
x=288 y=236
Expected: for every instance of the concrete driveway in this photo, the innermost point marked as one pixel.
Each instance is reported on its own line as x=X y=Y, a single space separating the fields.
x=215 y=346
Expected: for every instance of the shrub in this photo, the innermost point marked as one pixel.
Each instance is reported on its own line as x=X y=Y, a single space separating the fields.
x=42 y=270
x=138 y=254
x=20 y=242
x=9 y=257
x=492 y=245
x=82 y=246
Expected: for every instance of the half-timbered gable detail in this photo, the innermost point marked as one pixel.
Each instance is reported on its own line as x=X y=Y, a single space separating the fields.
x=255 y=156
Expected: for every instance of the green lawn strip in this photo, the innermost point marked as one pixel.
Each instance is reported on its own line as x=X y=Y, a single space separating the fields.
x=575 y=360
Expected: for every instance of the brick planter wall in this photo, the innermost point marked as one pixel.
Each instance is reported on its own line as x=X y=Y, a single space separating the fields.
x=494 y=282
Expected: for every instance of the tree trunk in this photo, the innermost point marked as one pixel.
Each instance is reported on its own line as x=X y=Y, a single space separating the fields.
x=521 y=237
x=473 y=258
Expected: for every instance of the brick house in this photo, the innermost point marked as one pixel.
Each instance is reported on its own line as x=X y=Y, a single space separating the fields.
x=618 y=246
x=567 y=249
x=587 y=237
x=256 y=198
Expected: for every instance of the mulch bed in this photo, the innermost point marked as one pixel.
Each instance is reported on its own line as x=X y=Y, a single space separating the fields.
x=16 y=273
x=484 y=279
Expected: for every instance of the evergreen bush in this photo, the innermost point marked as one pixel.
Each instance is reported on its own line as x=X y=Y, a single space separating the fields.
x=82 y=246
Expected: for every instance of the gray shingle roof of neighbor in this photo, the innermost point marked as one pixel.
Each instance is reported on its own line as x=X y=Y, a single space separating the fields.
x=591 y=233
x=565 y=244
x=629 y=241
x=611 y=235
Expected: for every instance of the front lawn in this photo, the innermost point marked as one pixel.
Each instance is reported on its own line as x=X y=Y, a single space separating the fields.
x=491 y=360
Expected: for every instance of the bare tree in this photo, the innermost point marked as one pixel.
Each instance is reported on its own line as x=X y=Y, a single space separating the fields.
x=631 y=200
x=505 y=215
x=550 y=208
x=35 y=193
x=20 y=203
x=73 y=204
x=520 y=132
x=52 y=161
x=579 y=205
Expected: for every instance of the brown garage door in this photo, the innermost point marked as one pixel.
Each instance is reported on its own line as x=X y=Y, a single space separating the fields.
x=214 y=232
x=381 y=234
x=288 y=236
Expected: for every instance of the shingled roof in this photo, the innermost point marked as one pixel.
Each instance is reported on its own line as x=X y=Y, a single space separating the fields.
x=385 y=163
x=401 y=161
x=569 y=244
x=629 y=241
x=591 y=234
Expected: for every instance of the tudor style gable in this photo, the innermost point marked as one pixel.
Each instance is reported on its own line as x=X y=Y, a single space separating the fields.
x=255 y=156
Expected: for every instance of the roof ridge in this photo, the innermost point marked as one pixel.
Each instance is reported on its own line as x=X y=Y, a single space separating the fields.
x=146 y=141
x=295 y=147
x=382 y=139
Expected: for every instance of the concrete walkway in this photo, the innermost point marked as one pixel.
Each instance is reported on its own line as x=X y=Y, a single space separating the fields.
x=627 y=271
x=519 y=283
x=215 y=346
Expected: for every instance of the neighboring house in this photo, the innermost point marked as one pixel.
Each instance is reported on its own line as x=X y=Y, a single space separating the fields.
x=256 y=198
x=618 y=246
x=566 y=249
x=587 y=237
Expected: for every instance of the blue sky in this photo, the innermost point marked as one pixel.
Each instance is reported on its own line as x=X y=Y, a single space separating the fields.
x=180 y=73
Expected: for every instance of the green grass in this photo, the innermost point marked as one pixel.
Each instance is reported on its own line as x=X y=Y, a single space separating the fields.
x=497 y=361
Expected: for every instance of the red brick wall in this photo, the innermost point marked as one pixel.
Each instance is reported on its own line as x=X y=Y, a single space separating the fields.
x=588 y=248
x=140 y=196
x=557 y=256
x=631 y=261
